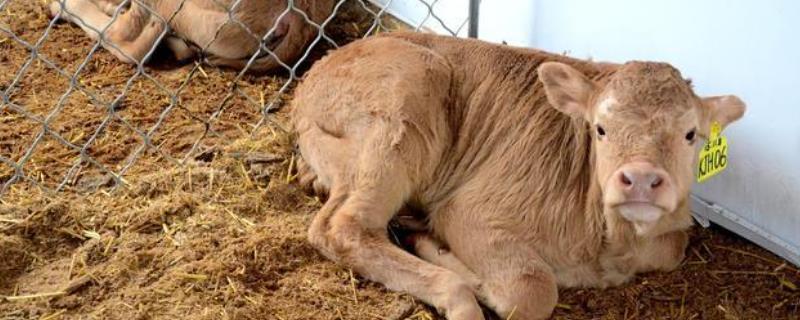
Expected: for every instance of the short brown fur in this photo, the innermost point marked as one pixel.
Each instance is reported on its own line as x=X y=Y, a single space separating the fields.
x=501 y=147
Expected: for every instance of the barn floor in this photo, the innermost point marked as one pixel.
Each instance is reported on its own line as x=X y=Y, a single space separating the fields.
x=223 y=237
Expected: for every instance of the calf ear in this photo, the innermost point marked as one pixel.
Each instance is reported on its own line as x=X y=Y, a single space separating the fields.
x=567 y=89
x=722 y=109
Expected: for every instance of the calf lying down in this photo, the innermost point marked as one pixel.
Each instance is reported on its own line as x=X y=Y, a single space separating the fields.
x=535 y=170
x=131 y=31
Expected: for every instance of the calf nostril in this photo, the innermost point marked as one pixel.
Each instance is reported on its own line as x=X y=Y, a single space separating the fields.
x=625 y=179
x=656 y=182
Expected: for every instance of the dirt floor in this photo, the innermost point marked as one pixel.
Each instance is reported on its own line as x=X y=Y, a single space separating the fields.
x=223 y=235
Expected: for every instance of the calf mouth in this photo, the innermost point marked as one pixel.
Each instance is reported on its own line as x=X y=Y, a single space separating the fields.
x=640 y=212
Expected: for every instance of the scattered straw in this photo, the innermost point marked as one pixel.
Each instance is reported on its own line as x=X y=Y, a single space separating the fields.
x=192 y=276
x=289 y=176
x=54 y=315
x=76 y=284
x=753 y=255
x=788 y=284
x=247 y=223
x=744 y=272
x=91 y=234
x=511 y=314
x=72 y=233
x=13 y=221
x=563 y=306
x=353 y=286
x=421 y=315
x=780 y=304
x=35 y=296
x=377 y=316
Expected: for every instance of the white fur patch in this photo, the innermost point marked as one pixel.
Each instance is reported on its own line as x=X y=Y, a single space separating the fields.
x=605 y=105
x=643 y=216
x=640 y=212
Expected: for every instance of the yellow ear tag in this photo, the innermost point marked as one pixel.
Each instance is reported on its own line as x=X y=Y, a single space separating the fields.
x=714 y=155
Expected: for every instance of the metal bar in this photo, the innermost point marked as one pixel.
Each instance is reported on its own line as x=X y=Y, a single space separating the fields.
x=707 y=210
x=474 y=10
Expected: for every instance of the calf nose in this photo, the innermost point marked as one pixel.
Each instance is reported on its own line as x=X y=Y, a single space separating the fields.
x=633 y=179
x=640 y=181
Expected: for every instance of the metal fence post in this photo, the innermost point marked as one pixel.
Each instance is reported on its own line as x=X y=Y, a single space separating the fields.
x=474 y=10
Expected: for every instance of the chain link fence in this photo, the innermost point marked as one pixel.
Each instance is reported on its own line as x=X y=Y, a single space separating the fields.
x=75 y=117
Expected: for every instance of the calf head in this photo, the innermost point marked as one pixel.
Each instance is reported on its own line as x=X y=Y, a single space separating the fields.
x=646 y=122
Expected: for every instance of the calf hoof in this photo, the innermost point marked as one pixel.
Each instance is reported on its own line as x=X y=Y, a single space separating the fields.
x=461 y=303
x=179 y=48
x=55 y=9
x=308 y=180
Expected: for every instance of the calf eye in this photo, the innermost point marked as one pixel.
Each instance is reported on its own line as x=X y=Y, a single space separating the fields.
x=690 y=135
x=600 y=131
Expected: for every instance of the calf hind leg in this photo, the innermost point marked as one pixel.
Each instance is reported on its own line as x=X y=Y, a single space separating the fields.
x=130 y=36
x=178 y=46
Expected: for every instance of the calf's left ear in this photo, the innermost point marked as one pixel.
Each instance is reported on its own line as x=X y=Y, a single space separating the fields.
x=567 y=89
x=722 y=109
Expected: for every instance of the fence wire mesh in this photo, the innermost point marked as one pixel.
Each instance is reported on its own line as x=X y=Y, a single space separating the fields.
x=73 y=116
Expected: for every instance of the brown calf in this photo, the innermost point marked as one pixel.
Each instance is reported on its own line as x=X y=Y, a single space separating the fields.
x=535 y=170
x=204 y=23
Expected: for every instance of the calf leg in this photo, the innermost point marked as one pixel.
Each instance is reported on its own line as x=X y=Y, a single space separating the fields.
x=520 y=291
x=179 y=48
x=512 y=278
x=351 y=226
x=307 y=178
x=129 y=37
x=108 y=6
x=84 y=13
x=516 y=282
x=435 y=252
x=526 y=293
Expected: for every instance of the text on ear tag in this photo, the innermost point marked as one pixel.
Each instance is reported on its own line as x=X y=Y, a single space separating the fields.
x=714 y=155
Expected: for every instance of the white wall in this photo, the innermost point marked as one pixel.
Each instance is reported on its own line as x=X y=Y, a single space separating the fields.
x=501 y=20
x=449 y=16
x=747 y=48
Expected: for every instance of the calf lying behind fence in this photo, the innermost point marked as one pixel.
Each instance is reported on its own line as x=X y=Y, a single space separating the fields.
x=229 y=35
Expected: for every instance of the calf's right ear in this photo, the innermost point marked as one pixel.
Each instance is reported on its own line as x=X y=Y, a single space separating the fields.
x=567 y=89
